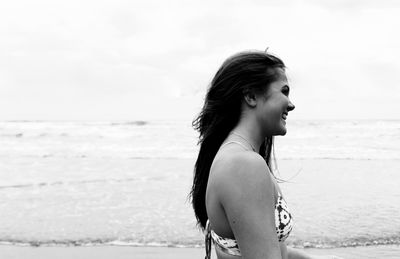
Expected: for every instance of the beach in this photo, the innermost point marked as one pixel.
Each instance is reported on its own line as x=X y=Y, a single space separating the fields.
x=120 y=190
x=107 y=252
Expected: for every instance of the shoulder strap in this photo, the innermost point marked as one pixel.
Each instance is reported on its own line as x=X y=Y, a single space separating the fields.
x=207 y=233
x=236 y=142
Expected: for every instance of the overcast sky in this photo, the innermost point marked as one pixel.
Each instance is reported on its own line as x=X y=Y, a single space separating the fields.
x=154 y=59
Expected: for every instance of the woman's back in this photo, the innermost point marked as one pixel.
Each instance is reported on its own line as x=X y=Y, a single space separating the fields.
x=220 y=174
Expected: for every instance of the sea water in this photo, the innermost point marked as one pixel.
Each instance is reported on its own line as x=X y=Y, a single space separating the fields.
x=127 y=183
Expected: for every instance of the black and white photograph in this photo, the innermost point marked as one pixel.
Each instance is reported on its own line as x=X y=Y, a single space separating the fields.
x=182 y=129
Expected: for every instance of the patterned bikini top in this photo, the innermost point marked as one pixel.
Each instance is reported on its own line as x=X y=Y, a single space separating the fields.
x=283 y=226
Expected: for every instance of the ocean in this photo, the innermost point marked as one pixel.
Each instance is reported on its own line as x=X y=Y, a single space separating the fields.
x=127 y=183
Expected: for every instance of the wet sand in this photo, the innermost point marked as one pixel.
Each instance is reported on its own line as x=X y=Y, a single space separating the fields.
x=119 y=252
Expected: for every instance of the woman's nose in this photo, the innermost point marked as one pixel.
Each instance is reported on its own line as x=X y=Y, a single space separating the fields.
x=291 y=106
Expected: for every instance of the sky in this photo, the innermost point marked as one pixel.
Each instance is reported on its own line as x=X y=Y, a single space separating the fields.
x=154 y=59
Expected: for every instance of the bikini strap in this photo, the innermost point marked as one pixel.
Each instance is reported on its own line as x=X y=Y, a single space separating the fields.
x=236 y=142
x=207 y=233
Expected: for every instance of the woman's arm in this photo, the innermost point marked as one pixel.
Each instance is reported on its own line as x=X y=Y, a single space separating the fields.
x=246 y=193
x=298 y=254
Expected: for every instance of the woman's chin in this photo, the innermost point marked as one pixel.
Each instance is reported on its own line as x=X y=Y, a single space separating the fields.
x=279 y=129
x=282 y=128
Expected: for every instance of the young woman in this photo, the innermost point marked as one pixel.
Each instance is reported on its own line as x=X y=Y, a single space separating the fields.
x=235 y=195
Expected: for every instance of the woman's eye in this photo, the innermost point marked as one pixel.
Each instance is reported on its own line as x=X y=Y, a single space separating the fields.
x=285 y=91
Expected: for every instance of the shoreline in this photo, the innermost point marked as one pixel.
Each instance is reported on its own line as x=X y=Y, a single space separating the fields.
x=125 y=252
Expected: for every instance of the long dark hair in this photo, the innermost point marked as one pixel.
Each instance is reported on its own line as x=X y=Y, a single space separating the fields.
x=239 y=74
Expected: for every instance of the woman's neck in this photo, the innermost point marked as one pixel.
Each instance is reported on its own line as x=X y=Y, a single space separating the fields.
x=251 y=132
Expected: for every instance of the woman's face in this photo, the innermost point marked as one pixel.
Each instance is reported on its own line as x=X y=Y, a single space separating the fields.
x=274 y=106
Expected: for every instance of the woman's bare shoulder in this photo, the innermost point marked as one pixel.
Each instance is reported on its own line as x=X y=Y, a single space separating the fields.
x=236 y=162
x=241 y=169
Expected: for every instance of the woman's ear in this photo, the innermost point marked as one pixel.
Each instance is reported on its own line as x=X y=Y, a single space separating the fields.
x=250 y=98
